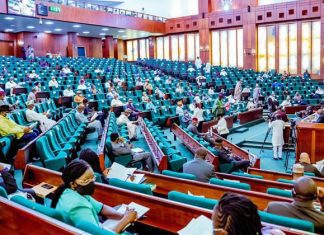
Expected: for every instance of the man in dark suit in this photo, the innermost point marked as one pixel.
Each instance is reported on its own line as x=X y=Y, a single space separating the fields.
x=193 y=127
x=199 y=167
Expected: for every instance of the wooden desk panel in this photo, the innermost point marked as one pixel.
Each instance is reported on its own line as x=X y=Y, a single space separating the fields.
x=273 y=175
x=250 y=116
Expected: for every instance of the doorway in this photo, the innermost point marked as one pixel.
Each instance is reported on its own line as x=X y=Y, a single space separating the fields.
x=81 y=52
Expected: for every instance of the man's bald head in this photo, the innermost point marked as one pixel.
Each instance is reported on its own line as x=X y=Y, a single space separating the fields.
x=305 y=189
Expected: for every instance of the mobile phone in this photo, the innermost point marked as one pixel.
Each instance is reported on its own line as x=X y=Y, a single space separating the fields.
x=47 y=186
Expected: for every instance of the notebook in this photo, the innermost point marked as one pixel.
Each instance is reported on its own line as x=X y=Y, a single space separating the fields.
x=201 y=225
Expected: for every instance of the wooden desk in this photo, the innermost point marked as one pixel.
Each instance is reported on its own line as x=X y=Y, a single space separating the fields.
x=206 y=125
x=20 y=220
x=250 y=115
x=257 y=185
x=274 y=175
x=164 y=215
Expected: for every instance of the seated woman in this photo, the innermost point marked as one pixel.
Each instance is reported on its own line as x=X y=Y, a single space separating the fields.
x=73 y=197
x=89 y=156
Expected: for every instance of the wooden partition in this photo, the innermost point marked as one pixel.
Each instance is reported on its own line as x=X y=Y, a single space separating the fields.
x=206 y=125
x=310 y=139
x=22 y=155
x=250 y=115
x=193 y=144
x=165 y=215
x=160 y=159
x=274 y=175
x=19 y=220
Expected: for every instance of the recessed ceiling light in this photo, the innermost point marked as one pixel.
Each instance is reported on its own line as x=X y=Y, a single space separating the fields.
x=104 y=29
x=8 y=30
x=47 y=31
x=9 y=18
x=121 y=31
x=103 y=38
x=30 y=27
x=102 y=34
x=76 y=26
x=124 y=36
x=77 y=34
x=86 y=32
x=58 y=30
x=49 y=22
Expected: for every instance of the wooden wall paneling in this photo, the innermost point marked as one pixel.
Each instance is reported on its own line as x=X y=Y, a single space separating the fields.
x=204 y=6
x=322 y=45
x=93 y=46
x=120 y=49
x=6 y=48
x=86 y=16
x=3 y=6
x=108 y=47
x=204 y=40
x=152 y=46
x=249 y=39
x=72 y=45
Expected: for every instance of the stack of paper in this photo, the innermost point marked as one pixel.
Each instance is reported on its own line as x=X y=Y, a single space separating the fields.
x=201 y=225
x=125 y=174
x=141 y=210
x=94 y=116
x=137 y=150
x=190 y=194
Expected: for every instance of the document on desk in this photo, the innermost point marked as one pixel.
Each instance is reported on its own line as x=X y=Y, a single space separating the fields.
x=141 y=210
x=201 y=225
x=123 y=173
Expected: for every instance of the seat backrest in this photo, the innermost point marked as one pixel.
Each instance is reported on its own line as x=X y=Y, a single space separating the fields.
x=285 y=181
x=141 y=188
x=230 y=184
x=51 y=137
x=192 y=200
x=53 y=213
x=279 y=192
x=43 y=148
x=179 y=175
x=286 y=221
x=3 y=192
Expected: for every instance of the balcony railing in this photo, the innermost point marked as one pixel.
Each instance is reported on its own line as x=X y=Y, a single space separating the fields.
x=112 y=10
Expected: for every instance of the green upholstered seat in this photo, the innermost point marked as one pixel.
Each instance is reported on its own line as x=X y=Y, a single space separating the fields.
x=279 y=192
x=122 y=159
x=286 y=221
x=53 y=213
x=247 y=175
x=3 y=192
x=179 y=175
x=141 y=188
x=192 y=200
x=285 y=181
x=230 y=184
x=176 y=162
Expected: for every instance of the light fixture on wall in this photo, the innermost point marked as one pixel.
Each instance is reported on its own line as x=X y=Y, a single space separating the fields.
x=227 y=4
x=20 y=43
x=249 y=51
x=204 y=48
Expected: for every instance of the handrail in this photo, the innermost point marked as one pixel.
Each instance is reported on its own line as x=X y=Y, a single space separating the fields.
x=101 y=146
x=23 y=153
x=111 y=10
x=160 y=158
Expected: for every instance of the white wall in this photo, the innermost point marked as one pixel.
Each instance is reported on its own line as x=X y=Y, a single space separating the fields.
x=165 y=8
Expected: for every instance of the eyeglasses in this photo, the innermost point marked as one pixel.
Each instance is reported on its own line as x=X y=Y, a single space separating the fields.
x=86 y=181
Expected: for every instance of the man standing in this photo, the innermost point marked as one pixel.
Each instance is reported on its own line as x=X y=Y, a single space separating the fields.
x=198 y=63
x=277 y=137
x=238 y=90
x=304 y=193
x=199 y=167
x=256 y=94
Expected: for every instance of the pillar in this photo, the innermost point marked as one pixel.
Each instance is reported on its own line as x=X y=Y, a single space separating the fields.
x=204 y=40
x=108 y=47
x=72 y=45
x=249 y=39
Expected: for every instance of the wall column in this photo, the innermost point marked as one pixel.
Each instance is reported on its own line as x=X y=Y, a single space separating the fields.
x=72 y=45
x=152 y=45
x=204 y=40
x=108 y=47
x=322 y=46
x=249 y=39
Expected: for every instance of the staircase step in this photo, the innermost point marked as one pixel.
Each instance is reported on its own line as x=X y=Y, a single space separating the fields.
x=241 y=129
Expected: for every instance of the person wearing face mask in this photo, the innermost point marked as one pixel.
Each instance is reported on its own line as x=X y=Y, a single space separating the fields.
x=42 y=118
x=199 y=167
x=74 y=198
x=123 y=119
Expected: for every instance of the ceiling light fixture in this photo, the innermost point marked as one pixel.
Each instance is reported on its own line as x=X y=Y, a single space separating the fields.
x=49 y=22
x=121 y=31
x=47 y=31
x=104 y=29
x=76 y=26
x=102 y=34
x=8 y=30
x=86 y=32
x=30 y=27
x=58 y=30
x=9 y=18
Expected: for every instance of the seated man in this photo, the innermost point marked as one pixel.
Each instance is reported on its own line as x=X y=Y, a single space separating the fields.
x=319 y=117
x=225 y=156
x=42 y=118
x=134 y=112
x=131 y=126
x=79 y=97
x=68 y=92
x=22 y=134
x=193 y=127
x=120 y=147
x=116 y=101
x=199 y=167
x=308 y=167
x=92 y=122
x=304 y=194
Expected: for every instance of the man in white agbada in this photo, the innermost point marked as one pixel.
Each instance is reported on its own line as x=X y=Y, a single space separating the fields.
x=116 y=102
x=286 y=102
x=131 y=126
x=42 y=118
x=238 y=90
x=250 y=105
x=92 y=122
x=68 y=92
x=223 y=72
x=277 y=137
x=10 y=85
x=53 y=82
x=198 y=62
x=256 y=93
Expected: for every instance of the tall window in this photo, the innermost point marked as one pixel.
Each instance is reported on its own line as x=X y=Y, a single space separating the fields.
x=144 y=48
x=166 y=48
x=135 y=50
x=266 y=48
x=288 y=48
x=130 y=55
x=311 y=46
x=159 y=47
x=227 y=48
x=174 y=47
x=191 y=46
x=181 y=47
